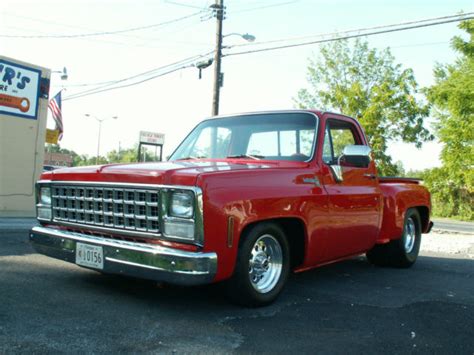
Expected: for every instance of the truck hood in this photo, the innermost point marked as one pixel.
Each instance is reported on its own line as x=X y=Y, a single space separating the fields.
x=163 y=173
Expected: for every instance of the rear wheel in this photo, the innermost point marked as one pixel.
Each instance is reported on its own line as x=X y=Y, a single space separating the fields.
x=401 y=252
x=262 y=266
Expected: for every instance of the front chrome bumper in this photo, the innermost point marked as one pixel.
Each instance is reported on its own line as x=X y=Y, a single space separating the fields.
x=128 y=258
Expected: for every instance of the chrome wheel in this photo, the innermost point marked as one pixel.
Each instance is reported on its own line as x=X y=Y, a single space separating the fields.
x=410 y=235
x=265 y=263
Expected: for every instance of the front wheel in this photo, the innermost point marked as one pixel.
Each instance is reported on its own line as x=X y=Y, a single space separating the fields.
x=262 y=266
x=401 y=252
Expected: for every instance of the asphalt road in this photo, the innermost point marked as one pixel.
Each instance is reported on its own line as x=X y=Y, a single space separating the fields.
x=48 y=306
x=453 y=226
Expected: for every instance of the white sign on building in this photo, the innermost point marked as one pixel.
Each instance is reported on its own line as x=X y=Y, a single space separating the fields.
x=19 y=90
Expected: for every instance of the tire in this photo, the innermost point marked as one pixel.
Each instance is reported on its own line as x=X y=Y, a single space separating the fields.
x=401 y=252
x=262 y=268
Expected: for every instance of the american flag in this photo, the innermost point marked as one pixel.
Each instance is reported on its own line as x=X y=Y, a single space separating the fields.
x=55 y=107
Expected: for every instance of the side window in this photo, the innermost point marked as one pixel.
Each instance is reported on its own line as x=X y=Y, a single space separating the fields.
x=338 y=135
x=341 y=137
x=286 y=144
x=327 y=148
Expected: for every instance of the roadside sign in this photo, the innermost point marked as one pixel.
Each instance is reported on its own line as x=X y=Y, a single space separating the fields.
x=52 y=136
x=152 y=137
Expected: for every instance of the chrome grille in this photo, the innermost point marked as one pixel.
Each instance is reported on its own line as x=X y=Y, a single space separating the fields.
x=120 y=208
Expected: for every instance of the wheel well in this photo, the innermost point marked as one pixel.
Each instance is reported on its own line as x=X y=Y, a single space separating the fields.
x=294 y=230
x=424 y=213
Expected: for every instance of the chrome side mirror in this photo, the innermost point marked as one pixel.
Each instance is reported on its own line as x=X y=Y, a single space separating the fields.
x=356 y=151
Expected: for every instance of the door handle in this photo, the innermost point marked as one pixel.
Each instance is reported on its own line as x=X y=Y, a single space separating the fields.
x=370 y=176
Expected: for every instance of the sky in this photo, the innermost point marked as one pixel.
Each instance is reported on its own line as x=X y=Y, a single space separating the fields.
x=173 y=104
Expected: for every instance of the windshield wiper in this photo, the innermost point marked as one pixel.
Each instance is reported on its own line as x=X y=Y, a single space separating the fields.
x=248 y=156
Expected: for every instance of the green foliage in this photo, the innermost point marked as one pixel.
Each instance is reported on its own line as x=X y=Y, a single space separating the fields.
x=367 y=84
x=123 y=156
x=56 y=148
x=130 y=155
x=452 y=96
x=341 y=138
x=448 y=198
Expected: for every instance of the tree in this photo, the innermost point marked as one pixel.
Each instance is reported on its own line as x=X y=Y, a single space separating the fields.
x=452 y=96
x=367 y=84
x=123 y=156
x=56 y=148
x=129 y=155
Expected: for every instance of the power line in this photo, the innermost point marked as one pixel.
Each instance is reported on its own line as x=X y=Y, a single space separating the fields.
x=420 y=44
x=131 y=84
x=182 y=4
x=183 y=62
x=186 y=63
x=88 y=84
x=88 y=39
x=350 y=36
x=81 y=35
x=144 y=44
x=264 y=7
x=115 y=82
x=355 y=30
x=54 y=23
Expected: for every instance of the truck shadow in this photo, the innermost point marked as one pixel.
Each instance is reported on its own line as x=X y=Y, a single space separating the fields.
x=353 y=280
x=14 y=243
x=348 y=305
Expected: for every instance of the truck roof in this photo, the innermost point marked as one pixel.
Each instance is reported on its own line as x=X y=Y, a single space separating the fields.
x=319 y=113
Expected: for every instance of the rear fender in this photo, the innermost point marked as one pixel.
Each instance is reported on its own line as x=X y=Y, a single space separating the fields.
x=398 y=198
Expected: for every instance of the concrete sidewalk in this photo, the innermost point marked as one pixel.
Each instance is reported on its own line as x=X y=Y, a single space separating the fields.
x=17 y=223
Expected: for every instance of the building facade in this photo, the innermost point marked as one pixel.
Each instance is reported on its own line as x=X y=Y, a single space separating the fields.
x=24 y=90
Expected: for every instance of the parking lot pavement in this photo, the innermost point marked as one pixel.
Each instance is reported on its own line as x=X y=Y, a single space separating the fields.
x=50 y=306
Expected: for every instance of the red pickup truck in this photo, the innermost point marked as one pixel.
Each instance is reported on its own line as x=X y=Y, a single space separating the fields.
x=243 y=199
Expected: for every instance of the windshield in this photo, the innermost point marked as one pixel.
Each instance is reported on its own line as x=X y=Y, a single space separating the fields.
x=271 y=136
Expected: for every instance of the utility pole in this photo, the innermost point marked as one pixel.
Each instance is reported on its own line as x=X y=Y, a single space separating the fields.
x=218 y=76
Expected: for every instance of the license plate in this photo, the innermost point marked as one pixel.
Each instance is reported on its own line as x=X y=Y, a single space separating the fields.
x=89 y=255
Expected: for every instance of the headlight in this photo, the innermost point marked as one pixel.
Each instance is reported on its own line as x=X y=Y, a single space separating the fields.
x=179 y=220
x=45 y=196
x=181 y=205
x=43 y=208
x=179 y=229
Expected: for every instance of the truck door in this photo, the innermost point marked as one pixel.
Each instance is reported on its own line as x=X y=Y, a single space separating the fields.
x=355 y=203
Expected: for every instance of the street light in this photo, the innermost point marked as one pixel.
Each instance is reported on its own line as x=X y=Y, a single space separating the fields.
x=219 y=9
x=218 y=75
x=248 y=37
x=100 y=120
x=63 y=73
